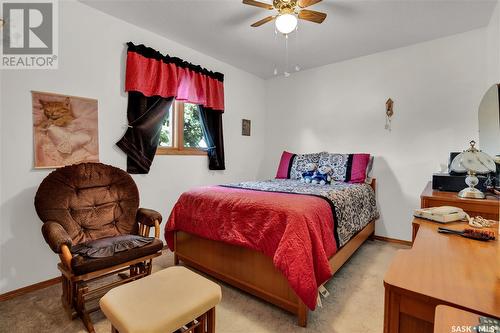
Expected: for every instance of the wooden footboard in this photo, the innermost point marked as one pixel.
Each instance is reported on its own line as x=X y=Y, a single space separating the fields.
x=252 y=271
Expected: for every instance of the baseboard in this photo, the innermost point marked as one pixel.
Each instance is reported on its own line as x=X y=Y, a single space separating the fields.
x=392 y=240
x=30 y=288
x=51 y=282
x=37 y=286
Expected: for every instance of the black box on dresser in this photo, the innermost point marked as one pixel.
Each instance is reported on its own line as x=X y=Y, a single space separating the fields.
x=455 y=183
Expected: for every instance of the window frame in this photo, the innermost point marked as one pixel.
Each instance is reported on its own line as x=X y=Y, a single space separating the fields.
x=177 y=147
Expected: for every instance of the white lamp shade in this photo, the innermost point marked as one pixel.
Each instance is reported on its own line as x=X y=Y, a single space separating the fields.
x=474 y=161
x=286 y=23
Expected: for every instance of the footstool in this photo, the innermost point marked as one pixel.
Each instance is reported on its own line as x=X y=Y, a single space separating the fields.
x=166 y=301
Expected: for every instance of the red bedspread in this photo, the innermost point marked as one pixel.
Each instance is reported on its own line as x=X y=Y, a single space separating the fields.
x=296 y=231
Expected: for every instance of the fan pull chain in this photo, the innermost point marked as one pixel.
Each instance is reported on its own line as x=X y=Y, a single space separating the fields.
x=297 y=66
x=275 y=72
x=287 y=73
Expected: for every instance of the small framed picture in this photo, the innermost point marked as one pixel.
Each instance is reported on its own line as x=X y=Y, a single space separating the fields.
x=245 y=127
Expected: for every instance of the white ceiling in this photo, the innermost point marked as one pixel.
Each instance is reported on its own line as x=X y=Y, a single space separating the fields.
x=221 y=28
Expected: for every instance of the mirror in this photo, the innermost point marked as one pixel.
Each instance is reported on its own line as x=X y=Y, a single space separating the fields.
x=489 y=122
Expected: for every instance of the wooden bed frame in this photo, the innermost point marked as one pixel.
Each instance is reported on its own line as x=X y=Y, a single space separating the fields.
x=253 y=271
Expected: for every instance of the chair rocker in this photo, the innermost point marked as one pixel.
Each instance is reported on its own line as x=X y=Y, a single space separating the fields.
x=86 y=202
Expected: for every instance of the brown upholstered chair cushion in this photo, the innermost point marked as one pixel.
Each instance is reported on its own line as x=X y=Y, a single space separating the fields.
x=87 y=202
x=90 y=201
x=82 y=265
x=107 y=247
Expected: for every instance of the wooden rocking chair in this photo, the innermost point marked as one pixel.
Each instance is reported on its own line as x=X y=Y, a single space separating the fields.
x=91 y=201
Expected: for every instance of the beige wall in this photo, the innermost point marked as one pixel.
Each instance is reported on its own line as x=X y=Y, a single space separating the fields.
x=492 y=53
x=489 y=139
x=92 y=64
x=436 y=87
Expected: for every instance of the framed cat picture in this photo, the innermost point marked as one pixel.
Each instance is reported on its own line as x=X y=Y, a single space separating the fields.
x=65 y=130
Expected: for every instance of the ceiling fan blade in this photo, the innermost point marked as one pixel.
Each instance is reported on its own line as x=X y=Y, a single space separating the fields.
x=258 y=4
x=307 y=3
x=263 y=21
x=311 y=15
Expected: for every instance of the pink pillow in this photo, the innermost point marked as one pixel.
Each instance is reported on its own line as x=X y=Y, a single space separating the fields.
x=285 y=165
x=358 y=170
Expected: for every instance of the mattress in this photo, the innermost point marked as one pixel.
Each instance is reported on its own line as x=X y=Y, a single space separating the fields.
x=299 y=226
x=353 y=205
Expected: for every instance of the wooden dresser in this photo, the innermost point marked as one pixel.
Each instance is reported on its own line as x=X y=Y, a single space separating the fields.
x=451 y=320
x=488 y=208
x=441 y=269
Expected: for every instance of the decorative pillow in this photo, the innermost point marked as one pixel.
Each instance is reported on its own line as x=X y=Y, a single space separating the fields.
x=107 y=247
x=359 y=169
x=346 y=167
x=300 y=162
x=285 y=165
x=369 y=169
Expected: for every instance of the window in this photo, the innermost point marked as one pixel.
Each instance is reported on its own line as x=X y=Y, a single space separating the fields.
x=182 y=132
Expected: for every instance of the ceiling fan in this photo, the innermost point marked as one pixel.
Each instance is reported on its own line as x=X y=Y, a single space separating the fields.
x=288 y=12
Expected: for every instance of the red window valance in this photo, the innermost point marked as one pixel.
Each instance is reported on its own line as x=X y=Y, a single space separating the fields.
x=154 y=74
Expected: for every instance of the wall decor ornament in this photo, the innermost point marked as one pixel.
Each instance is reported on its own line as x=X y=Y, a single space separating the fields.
x=389 y=112
x=65 y=130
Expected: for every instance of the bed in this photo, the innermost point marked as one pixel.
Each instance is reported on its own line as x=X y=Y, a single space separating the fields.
x=279 y=240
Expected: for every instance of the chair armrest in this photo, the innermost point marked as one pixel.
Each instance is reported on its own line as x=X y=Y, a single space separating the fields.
x=66 y=256
x=148 y=217
x=56 y=236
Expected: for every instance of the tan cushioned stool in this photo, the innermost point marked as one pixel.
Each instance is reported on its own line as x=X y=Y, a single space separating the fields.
x=162 y=302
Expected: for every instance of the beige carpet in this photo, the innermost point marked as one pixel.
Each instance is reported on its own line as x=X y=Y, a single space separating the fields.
x=355 y=304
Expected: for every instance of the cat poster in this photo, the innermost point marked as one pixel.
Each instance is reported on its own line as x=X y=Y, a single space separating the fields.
x=65 y=130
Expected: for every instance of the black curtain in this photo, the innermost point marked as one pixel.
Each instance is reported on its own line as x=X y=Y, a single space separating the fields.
x=145 y=117
x=211 y=121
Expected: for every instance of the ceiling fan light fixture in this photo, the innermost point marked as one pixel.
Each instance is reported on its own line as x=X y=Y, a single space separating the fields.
x=286 y=23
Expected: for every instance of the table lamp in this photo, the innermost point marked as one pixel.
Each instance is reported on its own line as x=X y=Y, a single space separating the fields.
x=473 y=161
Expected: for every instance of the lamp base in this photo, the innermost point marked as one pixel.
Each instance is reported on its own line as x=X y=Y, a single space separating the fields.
x=471 y=193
